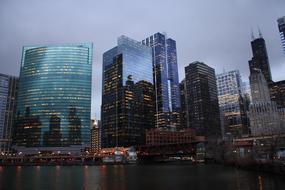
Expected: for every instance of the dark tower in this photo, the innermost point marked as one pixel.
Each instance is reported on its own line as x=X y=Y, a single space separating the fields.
x=202 y=99
x=184 y=121
x=260 y=57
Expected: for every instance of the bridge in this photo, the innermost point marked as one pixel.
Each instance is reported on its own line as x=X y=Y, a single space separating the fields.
x=146 y=152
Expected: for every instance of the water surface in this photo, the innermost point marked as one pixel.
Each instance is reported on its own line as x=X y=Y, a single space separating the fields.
x=132 y=177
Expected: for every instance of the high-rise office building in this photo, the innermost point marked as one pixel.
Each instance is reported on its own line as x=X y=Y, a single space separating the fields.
x=260 y=61
x=231 y=103
x=8 y=95
x=281 y=27
x=173 y=79
x=54 y=99
x=166 y=82
x=127 y=95
x=95 y=137
x=202 y=99
x=265 y=117
x=260 y=57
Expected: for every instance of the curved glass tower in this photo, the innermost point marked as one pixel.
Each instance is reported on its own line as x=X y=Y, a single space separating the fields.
x=54 y=99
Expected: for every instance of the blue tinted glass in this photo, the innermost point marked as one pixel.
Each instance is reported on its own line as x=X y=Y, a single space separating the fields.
x=55 y=95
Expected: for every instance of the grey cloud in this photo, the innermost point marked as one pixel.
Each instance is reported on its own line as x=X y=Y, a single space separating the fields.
x=216 y=32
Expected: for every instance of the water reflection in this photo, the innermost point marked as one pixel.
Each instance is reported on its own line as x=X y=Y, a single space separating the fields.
x=237 y=177
x=37 y=175
x=130 y=177
x=86 y=178
x=1 y=172
x=18 y=178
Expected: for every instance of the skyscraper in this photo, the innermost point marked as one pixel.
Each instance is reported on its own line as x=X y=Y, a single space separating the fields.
x=260 y=61
x=231 y=103
x=260 y=57
x=8 y=95
x=265 y=117
x=202 y=99
x=95 y=137
x=281 y=27
x=166 y=82
x=173 y=79
x=127 y=95
x=184 y=119
x=54 y=99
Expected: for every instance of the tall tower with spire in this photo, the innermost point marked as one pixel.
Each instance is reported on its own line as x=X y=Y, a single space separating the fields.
x=260 y=58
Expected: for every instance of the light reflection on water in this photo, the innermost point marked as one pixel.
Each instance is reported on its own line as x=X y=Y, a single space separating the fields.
x=128 y=177
x=260 y=184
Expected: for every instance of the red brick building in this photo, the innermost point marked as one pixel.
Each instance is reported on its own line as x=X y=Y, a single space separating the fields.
x=159 y=136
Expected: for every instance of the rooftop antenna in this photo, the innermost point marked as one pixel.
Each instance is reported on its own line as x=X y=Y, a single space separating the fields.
x=259 y=32
x=224 y=70
x=252 y=35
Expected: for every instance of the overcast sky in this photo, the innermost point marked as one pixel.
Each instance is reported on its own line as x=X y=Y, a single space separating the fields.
x=216 y=32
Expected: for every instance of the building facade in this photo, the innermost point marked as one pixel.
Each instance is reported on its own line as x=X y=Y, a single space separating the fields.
x=265 y=117
x=54 y=99
x=281 y=27
x=184 y=118
x=260 y=57
x=277 y=93
x=166 y=81
x=127 y=95
x=202 y=99
x=163 y=136
x=231 y=103
x=246 y=92
x=95 y=137
x=8 y=96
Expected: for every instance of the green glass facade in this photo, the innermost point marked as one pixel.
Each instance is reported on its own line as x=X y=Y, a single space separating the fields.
x=54 y=99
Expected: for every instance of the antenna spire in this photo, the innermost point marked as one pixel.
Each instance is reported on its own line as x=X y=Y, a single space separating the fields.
x=252 y=35
x=259 y=32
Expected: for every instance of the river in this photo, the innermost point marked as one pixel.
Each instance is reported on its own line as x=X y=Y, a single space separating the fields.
x=136 y=177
